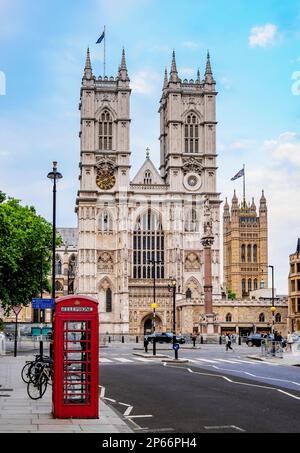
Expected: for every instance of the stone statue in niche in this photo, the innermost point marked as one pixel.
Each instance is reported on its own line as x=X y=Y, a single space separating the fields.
x=207 y=218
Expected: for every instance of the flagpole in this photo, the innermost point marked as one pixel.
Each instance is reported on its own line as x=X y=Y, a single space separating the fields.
x=244 y=187
x=104 y=50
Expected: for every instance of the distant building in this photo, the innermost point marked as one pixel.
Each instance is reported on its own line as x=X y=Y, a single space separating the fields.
x=294 y=291
x=245 y=242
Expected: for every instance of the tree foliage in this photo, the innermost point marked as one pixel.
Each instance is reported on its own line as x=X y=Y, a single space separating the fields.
x=231 y=295
x=25 y=253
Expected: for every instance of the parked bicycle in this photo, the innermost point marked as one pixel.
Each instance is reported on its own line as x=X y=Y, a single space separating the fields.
x=39 y=380
x=29 y=368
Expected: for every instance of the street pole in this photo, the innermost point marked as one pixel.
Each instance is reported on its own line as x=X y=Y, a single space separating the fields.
x=172 y=287
x=16 y=336
x=154 y=305
x=54 y=175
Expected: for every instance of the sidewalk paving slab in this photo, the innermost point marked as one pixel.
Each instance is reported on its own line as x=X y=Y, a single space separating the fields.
x=20 y=414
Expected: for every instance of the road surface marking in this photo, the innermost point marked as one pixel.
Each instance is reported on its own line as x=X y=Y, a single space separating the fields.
x=248 y=361
x=225 y=427
x=103 y=360
x=121 y=359
x=226 y=378
x=141 y=359
x=139 y=416
x=128 y=410
x=206 y=360
x=226 y=361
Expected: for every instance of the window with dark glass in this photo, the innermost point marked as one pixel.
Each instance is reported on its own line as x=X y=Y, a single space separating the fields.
x=243 y=258
x=58 y=266
x=228 y=317
x=191 y=134
x=148 y=247
x=249 y=285
x=255 y=253
x=108 y=301
x=105 y=131
x=249 y=253
x=261 y=317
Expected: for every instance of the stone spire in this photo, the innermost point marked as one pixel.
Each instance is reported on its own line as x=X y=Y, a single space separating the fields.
x=253 y=206
x=226 y=214
x=234 y=204
x=123 y=73
x=174 y=74
x=165 y=79
x=263 y=203
x=298 y=247
x=208 y=71
x=88 y=73
x=198 y=76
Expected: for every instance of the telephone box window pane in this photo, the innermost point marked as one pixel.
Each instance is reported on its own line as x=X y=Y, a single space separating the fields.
x=77 y=362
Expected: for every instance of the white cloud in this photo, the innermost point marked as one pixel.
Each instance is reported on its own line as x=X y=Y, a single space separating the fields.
x=263 y=36
x=145 y=82
x=225 y=82
x=285 y=148
x=190 y=44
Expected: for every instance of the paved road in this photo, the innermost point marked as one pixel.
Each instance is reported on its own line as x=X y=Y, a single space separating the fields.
x=194 y=399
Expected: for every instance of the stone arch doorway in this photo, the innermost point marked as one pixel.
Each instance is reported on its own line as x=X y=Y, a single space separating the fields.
x=147 y=324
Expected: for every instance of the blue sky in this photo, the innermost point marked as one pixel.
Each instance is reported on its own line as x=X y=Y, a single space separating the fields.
x=255 y=55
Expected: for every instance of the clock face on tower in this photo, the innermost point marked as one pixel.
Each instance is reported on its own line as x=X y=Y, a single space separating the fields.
x=105 y=180
x=192 y=181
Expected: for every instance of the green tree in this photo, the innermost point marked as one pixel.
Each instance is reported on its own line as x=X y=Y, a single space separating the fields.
x=231 y=295
x=25 y=253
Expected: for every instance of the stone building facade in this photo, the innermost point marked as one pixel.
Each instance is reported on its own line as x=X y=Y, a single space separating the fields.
x=245 y=246
x=133 y=235
x=294 y=291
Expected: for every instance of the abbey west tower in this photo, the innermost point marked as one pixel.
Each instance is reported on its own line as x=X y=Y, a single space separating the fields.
x=133 y=231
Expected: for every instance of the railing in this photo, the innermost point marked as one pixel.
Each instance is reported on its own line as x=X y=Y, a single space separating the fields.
x=272 y=348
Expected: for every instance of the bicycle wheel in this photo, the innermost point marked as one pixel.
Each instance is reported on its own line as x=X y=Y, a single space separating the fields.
x=25 y=374
x=36 y=388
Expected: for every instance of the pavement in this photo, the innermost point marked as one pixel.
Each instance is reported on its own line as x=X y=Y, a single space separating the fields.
x=20 y=414
x=288 y=359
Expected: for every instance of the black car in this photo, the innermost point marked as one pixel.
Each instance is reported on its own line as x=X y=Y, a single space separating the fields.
x=164 y=337
x=257 y=338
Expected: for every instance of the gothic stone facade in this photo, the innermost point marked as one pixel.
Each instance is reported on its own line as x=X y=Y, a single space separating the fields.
x=131 y=233
x=245 y=241
x=294 y=291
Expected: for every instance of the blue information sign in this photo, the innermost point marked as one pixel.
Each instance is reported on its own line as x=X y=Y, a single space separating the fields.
x=43 y=303
x=176 y=346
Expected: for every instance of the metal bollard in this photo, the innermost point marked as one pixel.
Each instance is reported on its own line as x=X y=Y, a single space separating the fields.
x=220 y=340
x=122 y=339
x=240 y=341
x=201 y=339
x=136 y=339
x=109 y=339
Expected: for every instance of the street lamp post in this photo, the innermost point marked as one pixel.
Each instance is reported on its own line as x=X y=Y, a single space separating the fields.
x=172 y=288
x=273 y=308
x=154 y=261
x=54 y=175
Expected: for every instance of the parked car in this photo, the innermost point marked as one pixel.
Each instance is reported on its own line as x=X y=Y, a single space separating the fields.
x=164 y=337
x=257 y=338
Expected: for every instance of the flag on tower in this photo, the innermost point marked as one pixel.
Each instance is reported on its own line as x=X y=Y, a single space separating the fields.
x=101 y=38
x=239 y=174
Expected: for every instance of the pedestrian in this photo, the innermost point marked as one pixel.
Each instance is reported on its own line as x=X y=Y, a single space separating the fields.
x=194 y=338
x=228 y=342
x=290 y=341
x=146 y=342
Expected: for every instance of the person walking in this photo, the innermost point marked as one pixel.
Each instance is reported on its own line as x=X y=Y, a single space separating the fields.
x=290 y=341
x=228 y=342
x=194 y=338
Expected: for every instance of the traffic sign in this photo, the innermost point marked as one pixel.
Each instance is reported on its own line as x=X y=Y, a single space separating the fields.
x=43 y=303
x=176 y=346
x=17 y=309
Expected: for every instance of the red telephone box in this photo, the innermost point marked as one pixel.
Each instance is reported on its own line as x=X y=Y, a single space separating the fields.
x=76 y=360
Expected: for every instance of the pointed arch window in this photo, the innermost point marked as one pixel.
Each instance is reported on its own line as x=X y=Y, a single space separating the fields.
x=188 y=294
x=243 y=254
x=148 y=246
x=148 y=177
x=105 y=224
x=108 y=300
x=249 y=253
x=191 y=222
x=255 y=283
x=249 y=285
x=255 y=253
x=228 y=317
x=105 y=131
x=261 y=317
x=243 y=286
x=278 y=317
x=191 y=134
x=58 y=266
